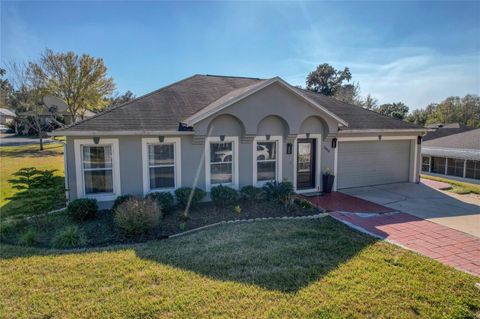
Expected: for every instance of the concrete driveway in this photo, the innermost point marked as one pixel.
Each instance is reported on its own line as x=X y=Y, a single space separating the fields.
x=451 y=210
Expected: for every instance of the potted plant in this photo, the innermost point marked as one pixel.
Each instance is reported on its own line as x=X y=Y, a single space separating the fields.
x=328 y=179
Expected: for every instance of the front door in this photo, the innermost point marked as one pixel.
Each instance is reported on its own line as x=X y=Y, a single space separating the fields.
x=306 y=163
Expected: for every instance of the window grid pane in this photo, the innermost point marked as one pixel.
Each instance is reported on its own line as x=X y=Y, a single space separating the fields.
x=455 y=167
x=221 y=152
x=97 y=157
x=473 y=170
x=221 y=173
x=438 y=165
x=161 y=154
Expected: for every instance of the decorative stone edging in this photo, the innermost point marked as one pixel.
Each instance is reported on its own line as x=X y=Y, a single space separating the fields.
x=239 y=221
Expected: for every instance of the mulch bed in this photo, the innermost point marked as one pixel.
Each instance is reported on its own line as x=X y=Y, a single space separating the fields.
x=101 y=231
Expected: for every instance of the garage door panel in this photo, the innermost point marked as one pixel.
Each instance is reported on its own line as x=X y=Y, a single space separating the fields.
x=364 y=163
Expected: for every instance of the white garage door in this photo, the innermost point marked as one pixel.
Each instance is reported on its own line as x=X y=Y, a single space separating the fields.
x=365 y=163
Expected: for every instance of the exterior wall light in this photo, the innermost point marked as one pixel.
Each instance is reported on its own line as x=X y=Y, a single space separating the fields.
x=289 y=148
x=308 y=135
x=268 y=137
x=379 y=137
x=419 y=140
x=161 y=139
x=222 y=138
x=334 y=143
x=96 y=140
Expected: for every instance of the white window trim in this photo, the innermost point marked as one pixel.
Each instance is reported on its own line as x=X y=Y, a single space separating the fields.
x=279 y=150
x=113 y=142
x=176 y=141
x=318 y=164
x=208 y=177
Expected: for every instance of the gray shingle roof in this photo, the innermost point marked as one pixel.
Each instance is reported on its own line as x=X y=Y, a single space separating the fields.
x=466 y=140
x=162 y=110
x=445 y=130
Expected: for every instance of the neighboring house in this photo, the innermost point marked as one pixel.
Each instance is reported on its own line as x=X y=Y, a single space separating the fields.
x=210 y=130
x=46 y=117
x=441 y=130
x=6 y=116
x=456 y=156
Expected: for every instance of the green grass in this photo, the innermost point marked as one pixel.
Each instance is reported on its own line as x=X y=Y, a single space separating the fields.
x=457 y=187
x=275 y=269
x=12 y=158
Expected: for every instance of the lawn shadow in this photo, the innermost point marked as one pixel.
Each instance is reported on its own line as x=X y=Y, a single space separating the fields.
x=51 y=150
x=276 y=255
x=273 y=255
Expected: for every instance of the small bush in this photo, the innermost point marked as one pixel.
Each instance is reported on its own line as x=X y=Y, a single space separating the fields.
x=136 y=217
x=303 y=203
x=29 y=238
x=121 y=199
x=251 y=193
x=82 y=209
x=164 y=199
x=279 y=192
x=183 y=195
x=223 y=196
x=69 y=237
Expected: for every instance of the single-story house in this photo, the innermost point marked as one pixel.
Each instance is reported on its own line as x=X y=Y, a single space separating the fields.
x=455 y=156
x=7 y=116
x=209 y=130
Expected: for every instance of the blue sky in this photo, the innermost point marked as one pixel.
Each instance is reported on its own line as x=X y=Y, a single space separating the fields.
x=415 y=52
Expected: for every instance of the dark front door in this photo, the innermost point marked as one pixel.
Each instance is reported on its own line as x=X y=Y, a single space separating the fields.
x=306 y=163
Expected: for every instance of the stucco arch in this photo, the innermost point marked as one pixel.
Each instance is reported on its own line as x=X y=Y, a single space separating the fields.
x=314 y=125
x=226 y=124
x=273 y=125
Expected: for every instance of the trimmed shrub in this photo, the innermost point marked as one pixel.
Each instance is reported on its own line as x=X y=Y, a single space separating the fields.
x=183 y=195
x=279 y=192
x=121 y=199
x=82 y=209
x=223 y=196
x=164 y=199
x=69 y=237
x=251 y=193
x=303 y=203
x=137 y=217
x=29 y=238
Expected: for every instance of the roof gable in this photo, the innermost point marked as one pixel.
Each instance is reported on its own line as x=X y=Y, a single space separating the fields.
x=243 y=93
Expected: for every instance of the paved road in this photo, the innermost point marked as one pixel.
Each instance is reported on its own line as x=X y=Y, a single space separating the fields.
x=13 y=140
x=461 y=212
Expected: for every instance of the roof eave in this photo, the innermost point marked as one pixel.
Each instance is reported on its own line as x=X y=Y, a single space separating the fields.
x=120 y=132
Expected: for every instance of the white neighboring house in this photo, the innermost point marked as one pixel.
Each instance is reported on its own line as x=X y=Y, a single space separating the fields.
x=455 y=156
x=6 y=118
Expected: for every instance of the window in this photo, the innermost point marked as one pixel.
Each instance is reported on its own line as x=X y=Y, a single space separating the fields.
x=455 y=167
x=438 y=165
x=97 y=169
x=161 y=164
x=221 y=161
x=266 y=161
x=425 y=163
x=473 y=170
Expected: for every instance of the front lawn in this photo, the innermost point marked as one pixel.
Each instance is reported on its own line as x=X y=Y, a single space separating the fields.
x=13 y=158
x=457 y=187
x=276 y=269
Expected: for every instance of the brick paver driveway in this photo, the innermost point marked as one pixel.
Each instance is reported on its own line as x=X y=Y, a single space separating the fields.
x=444 y=244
